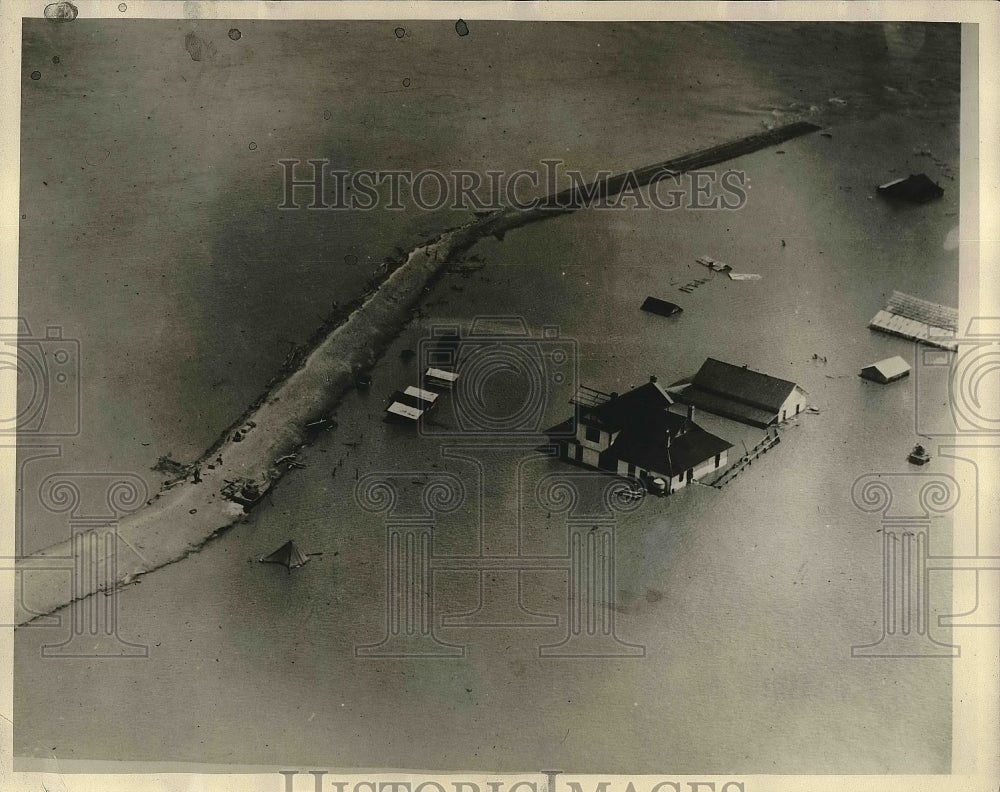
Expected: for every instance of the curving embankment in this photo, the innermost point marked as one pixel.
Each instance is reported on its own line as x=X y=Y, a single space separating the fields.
x=181 y=519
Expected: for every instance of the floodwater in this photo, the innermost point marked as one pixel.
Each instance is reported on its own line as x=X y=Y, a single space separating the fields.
x=746 y=600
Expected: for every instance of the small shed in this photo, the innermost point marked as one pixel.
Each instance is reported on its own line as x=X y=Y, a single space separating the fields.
x=888 y=370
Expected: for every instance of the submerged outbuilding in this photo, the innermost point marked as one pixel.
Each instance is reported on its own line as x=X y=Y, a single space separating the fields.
x=888 y=370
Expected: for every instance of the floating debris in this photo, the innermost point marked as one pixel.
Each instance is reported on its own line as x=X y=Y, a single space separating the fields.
x=743 y=276
x=246 y=492
x=322 y=423
x=712 y=264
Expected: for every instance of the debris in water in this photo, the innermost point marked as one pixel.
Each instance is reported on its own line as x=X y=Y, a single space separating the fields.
x=245 y=492
x=743 y=276
x=712 y=264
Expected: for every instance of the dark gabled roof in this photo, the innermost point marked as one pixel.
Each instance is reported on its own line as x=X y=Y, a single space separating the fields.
x=742 y=384
x=648 y=447
x=917 y=188
x=886 y=370
x=661 y=307
x=694 y=447
x=726 y=406
x=634 y=407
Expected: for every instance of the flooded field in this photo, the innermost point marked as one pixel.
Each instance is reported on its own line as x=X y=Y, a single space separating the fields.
x=746 y=600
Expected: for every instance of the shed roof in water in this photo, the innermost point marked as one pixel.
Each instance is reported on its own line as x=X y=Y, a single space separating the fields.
x=887 y=370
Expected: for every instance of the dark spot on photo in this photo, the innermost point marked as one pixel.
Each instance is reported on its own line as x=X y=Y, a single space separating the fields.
x=400 y=32
x=461 y=28
x=198 y=48
x=36 y=75
x=235 y=34
x=406 y=82
x=122 y=7
x=61 y=12
x=350 y=259
x=252 y=146
x=55 y=59
x=97 y=156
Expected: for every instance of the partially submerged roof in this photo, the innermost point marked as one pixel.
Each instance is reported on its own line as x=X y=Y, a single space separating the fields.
x=934 y=314
x=440 y=377
x=615 y=412
x=727 y=406
x=670 y=453
x=887 y=370
x=742 y=384
x=918 y=320
x=411 y=403
x=660 y=307
x=916 y=188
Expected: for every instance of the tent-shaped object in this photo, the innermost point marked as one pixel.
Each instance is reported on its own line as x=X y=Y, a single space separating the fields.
x=888 y=370
x=288 y=555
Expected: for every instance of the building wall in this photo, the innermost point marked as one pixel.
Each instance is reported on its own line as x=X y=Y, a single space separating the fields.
x=796 y=399
x=606 y=438
x=591 y=457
